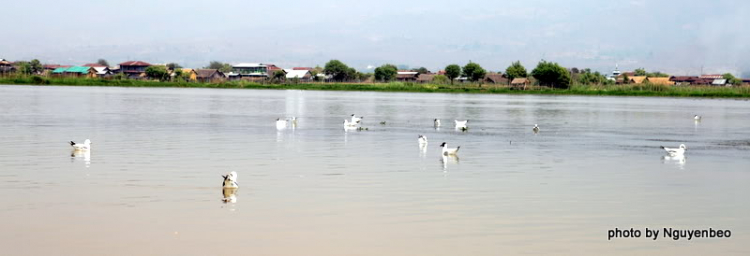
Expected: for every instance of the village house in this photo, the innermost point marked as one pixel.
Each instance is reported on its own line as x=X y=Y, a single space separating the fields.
x=520 y=83
x=637 y=79
x=209 y=75
x=495 y=78
x=76 y=71
x=102 y=71
x=249 y=71
x=407 y=76
x=660 y=80
x=189 y=74
x=301 y=75
x=683 y=80
x=425 y=78
x=134 y=69
x=6 y=66
x=712 y=76
x=720 y=82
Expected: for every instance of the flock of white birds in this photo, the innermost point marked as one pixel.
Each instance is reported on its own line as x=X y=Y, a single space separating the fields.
x=230 y=184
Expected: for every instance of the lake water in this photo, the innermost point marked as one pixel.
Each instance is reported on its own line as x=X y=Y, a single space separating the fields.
x=152 y=182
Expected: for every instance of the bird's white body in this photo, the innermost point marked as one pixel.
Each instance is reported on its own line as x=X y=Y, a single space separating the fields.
x=281 y=124
x=536 y=128
x=697 y=118
x=349 y=125
x=461 y=124
x=86 y=146
x=449 y=151
x=436 y=122
x=230 y=180
x=422 y=140
x=675 y=151
x=356 y=119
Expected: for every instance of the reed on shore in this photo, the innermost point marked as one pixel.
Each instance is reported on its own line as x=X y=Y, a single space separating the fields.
x=575 y=89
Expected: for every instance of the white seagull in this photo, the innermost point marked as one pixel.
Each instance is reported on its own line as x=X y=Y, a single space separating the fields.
x=422 y=140
x=697 y=118
x=461 y=124
x=356 y=119
x=281 y=124
x=436 y=122
x=230 y=180
x=349 y=125
x=81 y=147
x=449 y=151
x=675 y=151
x=536 y=128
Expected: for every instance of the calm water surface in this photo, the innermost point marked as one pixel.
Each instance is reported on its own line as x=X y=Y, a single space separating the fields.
x=152 y=183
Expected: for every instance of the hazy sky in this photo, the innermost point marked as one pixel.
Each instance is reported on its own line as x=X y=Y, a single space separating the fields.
x=678 y=37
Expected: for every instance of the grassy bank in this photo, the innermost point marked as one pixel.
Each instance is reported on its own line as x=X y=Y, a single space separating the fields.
x=616 y=90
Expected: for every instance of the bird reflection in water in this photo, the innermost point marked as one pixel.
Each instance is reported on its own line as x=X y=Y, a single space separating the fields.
x=77 y=155
x=678 y=160
x=453 y=159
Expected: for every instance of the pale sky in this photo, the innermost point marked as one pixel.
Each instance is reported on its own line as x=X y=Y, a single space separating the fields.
x=677 y=37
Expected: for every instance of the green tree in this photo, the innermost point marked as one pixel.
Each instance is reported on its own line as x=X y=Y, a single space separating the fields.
x=223 y=67
x=352 y=74
x=179 y=75
x=173 y=66
x=36 y=66
x=386 y=72
x=338 y=70
x=440 y=79
x=657 y=74
x=279 y=75
x=625 y=79
x=452 y=71
x=591 y=78
x=640 y=72
x=102 y=62
x=421 y=70
x=515 y=70
x=731 y=79
x=474 y=72
x=551 y=74
x=23 y=67
x=157 y=72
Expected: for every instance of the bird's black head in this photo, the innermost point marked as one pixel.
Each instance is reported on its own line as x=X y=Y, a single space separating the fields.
x=442 y=145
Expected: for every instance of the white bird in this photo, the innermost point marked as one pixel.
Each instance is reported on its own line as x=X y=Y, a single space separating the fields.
x=422 y=140
x=675 y=151
x=281 y=124
x=697 y=118
x=536 y=128
x=436 y=122
x=349 y=125
x=294 y=121
x=356 y=119
x=461 y=124
x=81 y=147
x=230 y=180
x=449 y=151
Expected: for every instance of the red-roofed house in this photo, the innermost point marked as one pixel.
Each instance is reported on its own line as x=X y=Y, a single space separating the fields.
x=6 y=66
x=715 y=76
x=134 y=69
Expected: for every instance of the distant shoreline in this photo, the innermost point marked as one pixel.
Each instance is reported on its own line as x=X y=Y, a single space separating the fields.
x=590 y=90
